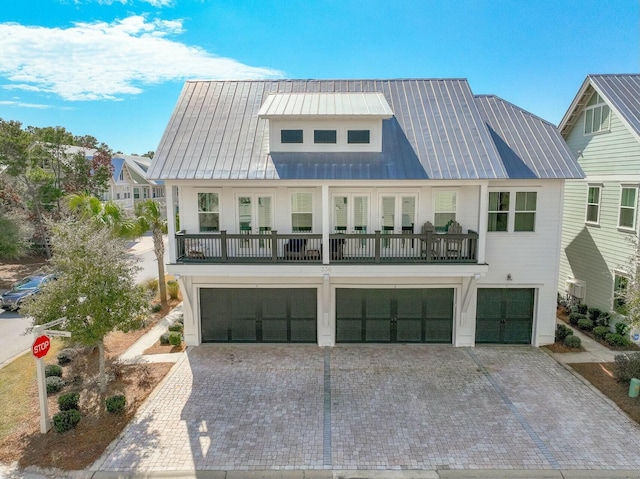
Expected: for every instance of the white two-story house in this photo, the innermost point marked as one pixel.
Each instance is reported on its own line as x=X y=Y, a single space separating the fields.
x=405 y=211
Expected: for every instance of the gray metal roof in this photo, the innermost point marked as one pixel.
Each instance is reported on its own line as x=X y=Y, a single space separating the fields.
x=372 y=105
x=437 y=132
x=529 y=146
x=620 y=91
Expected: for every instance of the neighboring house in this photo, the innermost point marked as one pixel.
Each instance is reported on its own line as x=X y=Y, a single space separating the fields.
x=600 y=227
x=362 y=211
x=128 y=184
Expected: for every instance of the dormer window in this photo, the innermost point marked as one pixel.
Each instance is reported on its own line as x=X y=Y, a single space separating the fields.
x=291 y=136
x=358 y=136
x=324 y=136
x=597 y=115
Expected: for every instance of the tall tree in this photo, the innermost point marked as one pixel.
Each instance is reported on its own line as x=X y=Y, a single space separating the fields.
x=95 y=290
x=150 y=218
x=104 y=214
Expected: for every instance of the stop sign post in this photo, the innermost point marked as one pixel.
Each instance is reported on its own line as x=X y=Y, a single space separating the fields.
x=41 y=346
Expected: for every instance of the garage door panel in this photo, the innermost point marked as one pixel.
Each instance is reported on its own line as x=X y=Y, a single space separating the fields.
x=409 y=330
x=349 y=330
x=244 y=329
x=505 y=315
x=378 y=330
x=377 y=303
x=303 y=329
x=439 y=330
x=274 y=330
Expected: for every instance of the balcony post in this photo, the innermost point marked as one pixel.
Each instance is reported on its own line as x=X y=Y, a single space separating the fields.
x=376 y=247
x=223 y=245
x=274 y=246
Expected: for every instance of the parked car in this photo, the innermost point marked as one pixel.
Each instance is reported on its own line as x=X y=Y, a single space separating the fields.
x=29 y=286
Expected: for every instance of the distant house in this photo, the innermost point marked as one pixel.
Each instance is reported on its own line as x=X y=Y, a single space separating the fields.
x=128 y=184
x=404 y=211
x=600 y=227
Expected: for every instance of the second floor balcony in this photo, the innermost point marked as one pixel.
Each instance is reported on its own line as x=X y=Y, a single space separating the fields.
x=429 y=247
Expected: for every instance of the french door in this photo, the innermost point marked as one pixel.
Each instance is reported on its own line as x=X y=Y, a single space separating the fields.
x=255 y=216
x=351 y=216
x=398 y=215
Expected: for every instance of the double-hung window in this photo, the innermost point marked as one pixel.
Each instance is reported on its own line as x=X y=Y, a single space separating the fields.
x=208 y=212
x=301 y=212
x=597 y=115
x=444 y=209
x=498 y=211
x=593 y=204
x=525 y=214
x=628 y=201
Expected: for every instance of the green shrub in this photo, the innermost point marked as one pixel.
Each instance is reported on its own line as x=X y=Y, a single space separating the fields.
x=175 y=339
x=622 y=328
x=575 y=317
x=66 y=420
x=580 y=308
x=164 y=339
x=572 y=341
x=54 y=384
x=618 y=340
x=585 y=324
x=600 y=331
x=603 y=319
x=52 y=370
x=66 y=355
x=594 y=314
x=155 y=307
x=116 y=404
x=626 y=366
x=173 y=289
x=68 y=401
x=562 y=331
x=176 y=327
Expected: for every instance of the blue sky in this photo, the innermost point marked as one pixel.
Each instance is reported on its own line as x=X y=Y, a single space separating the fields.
x=114 y=68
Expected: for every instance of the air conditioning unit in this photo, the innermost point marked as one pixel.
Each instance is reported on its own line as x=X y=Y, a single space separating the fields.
x=576 y=288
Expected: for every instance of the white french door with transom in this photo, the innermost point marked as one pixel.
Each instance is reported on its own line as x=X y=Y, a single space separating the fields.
x=351 y=216
x=398 y=216
x=255 y=216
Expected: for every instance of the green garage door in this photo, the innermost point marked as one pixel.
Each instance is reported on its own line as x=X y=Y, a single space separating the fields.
x=258 y=315
x=504 y=315
x=394 y=315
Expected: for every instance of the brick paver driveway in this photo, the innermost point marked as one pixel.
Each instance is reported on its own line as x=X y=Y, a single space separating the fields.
x=243 y=407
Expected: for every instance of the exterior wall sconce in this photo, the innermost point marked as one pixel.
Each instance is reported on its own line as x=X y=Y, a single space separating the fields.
x=509 y=278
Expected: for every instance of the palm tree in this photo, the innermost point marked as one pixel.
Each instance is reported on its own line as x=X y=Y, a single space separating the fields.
x=106 y=214
x=149 y=217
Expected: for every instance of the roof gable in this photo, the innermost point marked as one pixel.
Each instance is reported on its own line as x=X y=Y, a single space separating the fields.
x=622 y=94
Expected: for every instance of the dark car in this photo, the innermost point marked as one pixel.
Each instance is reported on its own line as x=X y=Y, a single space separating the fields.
x=29 y=286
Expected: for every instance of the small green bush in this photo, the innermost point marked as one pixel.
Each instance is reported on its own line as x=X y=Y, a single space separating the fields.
x=173 y=289
x=155 y=307
x=116 y=404
x=176 y=327
x=575 y=317
x=603 y=319
x=54 y=384
x=618 y=340
x=164 y=339
x=594 y=314
x=52 y=370
x=68 y=401
x=66 y=355
x=572 y=341
x=562 y=331
x=580 y=308
x=66 y=420
x=600 y=332
x=622 y=328
x=175 y=339
x=585 y=324
x=626 y=366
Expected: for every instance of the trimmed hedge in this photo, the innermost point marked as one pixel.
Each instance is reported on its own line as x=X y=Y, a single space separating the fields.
x=176 y=327
x=66 y=420
x=175 y=339
x=626 y=366
x=68 y=401
x=572 y=341
x=116 y=404
x=54 y=384
x=600 y=332
x=615 y=339
x=562 y=331
x=66 y=356
x=52 y=370
x=575 y=317
x=585 y=324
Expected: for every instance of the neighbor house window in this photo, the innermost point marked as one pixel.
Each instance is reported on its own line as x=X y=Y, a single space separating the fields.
x=525 y=214
x=627 y=218
x=444 y=209
x=620 y=285
x=358 y=136
x=208 y=212
x=136 y=193
x=301 y=212
x=498 y=211
x=597 y=115
x=291 y=136
x=324 y=136
x=593 y=204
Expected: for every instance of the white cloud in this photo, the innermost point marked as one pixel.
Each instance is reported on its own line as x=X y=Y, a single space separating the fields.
x=103 y=61
x=24 y=105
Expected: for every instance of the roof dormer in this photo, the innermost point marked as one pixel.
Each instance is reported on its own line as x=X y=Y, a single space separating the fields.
x=325 y=122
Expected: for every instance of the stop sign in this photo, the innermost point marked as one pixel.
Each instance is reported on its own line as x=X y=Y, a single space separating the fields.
x=41 y=346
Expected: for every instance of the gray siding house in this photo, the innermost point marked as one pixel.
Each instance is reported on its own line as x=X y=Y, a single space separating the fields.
x=401 y=211
x=600 y=226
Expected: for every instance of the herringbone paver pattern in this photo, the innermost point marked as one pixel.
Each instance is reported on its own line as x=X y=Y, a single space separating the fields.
x=258 y=407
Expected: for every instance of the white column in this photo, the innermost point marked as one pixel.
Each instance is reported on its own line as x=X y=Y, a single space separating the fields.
x=483 y=204
x=171 y=222
x=326 y=219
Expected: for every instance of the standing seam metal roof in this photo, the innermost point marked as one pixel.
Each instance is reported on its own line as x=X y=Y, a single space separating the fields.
x=439 y=131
